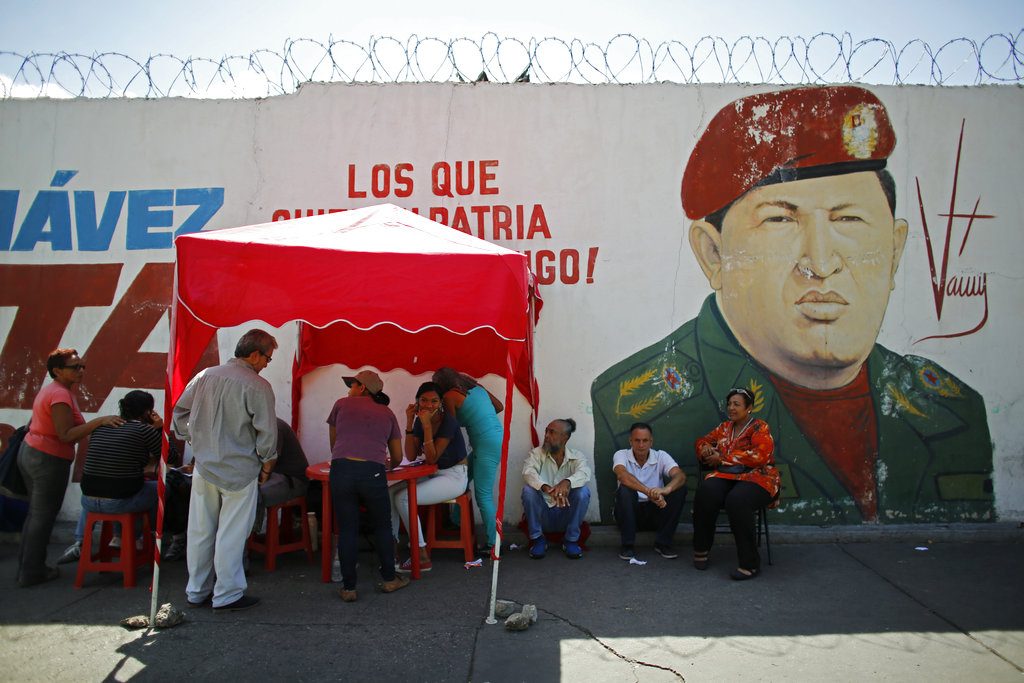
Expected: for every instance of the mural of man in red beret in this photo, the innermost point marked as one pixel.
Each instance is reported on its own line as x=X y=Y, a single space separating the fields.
x=793 y=223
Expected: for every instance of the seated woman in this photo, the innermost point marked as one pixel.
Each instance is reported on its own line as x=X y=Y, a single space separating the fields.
x=436 y=435
x=113 y=480
x=740 y=454
x=477 y=410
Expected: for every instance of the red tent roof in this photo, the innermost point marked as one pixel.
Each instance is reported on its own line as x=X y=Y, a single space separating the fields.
x=377 y=286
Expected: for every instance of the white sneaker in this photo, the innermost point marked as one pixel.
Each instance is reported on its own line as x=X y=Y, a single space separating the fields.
x=71 y=554
x=115 y=542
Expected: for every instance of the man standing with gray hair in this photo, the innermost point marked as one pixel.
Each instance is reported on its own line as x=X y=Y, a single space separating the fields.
x=227 y=414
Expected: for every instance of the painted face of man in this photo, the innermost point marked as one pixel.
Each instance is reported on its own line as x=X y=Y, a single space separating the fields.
x=803 y=272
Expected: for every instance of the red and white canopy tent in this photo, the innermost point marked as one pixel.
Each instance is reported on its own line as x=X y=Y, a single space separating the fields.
x=377 y=286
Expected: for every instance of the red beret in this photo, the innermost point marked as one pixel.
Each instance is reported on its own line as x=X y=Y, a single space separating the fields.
x=785 y=135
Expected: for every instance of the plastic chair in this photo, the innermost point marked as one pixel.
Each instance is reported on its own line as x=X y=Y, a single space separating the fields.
x=437 y=538
x=280 y=538
x=126 y=559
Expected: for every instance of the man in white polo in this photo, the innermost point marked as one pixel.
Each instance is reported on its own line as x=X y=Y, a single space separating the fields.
x=651 y=492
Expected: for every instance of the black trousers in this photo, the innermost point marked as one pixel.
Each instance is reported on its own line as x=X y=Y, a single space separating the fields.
x=631 y=515
x=741 y=500
x=354 y=482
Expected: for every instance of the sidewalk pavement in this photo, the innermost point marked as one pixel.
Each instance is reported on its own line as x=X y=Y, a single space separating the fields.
x=930 y=604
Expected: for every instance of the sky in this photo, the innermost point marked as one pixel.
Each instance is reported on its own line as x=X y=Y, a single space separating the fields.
x=224 y=27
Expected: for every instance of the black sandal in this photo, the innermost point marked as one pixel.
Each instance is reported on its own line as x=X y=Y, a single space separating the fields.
x=744 y=574
x=700 y=560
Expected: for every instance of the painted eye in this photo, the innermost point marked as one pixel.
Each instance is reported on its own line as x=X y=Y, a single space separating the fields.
x=778 y=219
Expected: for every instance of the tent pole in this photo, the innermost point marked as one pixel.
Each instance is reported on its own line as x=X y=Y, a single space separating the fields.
x=509 y=384
x=161 y=494
x=161 y=480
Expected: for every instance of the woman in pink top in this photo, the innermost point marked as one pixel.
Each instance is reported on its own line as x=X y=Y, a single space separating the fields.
x=45 y=460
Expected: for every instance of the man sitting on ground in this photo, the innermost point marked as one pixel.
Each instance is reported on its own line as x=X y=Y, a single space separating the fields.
x=651 y=492
x=555 y=497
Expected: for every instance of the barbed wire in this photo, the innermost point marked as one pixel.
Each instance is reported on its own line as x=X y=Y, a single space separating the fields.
x=624 y=59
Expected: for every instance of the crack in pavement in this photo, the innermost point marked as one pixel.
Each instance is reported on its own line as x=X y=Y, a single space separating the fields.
x=920 y=602
x=590 y=634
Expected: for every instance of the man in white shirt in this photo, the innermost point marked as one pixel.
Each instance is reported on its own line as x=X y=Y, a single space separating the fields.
x=651 y=493
x=555 y=497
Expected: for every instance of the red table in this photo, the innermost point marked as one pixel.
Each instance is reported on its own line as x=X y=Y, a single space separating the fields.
x=322 y=472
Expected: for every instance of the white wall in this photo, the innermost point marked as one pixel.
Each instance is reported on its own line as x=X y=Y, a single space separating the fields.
x=603 y=162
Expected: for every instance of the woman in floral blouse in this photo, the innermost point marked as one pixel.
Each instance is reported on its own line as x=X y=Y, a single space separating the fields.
x=738 y=456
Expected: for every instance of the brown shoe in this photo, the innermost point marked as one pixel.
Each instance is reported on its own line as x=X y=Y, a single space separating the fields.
x=348 y=596
x=397 y=583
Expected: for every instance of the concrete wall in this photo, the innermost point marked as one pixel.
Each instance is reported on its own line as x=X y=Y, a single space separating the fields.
x=584 y=178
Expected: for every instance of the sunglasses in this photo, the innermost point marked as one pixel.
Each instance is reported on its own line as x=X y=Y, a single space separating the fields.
x=80 y=366
x=269 y=358
x=745 y=392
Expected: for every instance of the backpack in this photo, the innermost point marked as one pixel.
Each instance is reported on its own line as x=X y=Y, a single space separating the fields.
x=12 y=484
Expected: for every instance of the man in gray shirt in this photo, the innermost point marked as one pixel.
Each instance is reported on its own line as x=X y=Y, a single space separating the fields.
x=227 y=414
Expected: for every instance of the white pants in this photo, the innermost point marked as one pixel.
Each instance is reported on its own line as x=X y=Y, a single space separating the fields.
x=219 y=522
x=437 y=488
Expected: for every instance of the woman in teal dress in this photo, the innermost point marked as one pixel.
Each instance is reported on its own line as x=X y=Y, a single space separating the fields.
x=477 y=410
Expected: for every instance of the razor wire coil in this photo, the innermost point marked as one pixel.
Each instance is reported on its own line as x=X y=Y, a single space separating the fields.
x=624 y=59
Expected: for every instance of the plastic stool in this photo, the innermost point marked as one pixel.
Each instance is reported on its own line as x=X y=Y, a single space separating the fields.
x=125 y=559
x=280 y=537
x=436 y=538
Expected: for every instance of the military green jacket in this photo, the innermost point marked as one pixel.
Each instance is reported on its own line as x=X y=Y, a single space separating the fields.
x=935 y=453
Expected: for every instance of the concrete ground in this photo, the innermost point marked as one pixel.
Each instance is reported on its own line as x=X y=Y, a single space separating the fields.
x=928 y=603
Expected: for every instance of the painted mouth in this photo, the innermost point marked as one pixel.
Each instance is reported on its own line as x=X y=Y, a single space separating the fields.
x=822 y=306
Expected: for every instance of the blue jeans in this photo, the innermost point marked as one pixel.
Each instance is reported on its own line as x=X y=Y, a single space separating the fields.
x=354 y=482
x=541 y=518
x=143 y=501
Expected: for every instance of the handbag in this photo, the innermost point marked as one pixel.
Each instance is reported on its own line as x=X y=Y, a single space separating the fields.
x=12 y=484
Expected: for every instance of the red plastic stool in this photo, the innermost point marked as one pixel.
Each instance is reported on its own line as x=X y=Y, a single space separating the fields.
x=125 y=559
x=437 y=538
x=280 y=536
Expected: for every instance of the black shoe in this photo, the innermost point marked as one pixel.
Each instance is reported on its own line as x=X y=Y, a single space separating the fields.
x=244 y=602
x=743 y=575
x=176 y=551
x=207 y=602
x=700 y=561
x=627 y=553
x=49 y=574
x=665 y=551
